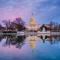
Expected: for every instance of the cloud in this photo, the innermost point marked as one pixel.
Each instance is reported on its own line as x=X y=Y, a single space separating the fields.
x=44 y=10
x=47 y=10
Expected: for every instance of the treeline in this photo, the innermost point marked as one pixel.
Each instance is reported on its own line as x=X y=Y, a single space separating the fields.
x=55 y=27
x=17 y=25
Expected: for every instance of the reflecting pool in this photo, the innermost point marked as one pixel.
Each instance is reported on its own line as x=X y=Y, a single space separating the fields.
x=29 y=48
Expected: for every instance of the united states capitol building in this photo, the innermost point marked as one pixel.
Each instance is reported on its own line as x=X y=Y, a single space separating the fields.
x=32 y=25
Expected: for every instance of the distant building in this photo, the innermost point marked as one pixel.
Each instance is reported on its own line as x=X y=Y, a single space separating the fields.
x=32 y=25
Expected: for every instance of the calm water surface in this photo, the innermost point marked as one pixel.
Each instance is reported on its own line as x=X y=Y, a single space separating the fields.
x=29 y=48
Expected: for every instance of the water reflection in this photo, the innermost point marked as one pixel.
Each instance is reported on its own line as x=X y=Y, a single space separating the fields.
x=52 y=39
x=29 y=47
x=19 y=41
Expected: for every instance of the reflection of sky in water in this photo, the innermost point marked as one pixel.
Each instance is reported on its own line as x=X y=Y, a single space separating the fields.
x=42 y=51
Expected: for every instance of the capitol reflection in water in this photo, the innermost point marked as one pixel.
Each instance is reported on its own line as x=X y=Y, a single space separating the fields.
x=19 y=41
x=29 y=47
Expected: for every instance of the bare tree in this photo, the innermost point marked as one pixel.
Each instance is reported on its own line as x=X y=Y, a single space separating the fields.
x=19 y=23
